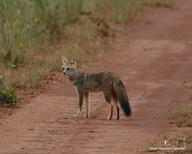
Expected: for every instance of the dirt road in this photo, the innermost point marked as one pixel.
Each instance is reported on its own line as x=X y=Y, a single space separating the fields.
x=153 y=59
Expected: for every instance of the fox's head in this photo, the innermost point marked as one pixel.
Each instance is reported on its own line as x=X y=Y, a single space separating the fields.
x=68 y=68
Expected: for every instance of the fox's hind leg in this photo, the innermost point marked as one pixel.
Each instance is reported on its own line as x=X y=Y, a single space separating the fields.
x=110 y=111
x=117 y=107
x=108 y=99
x=87 y=104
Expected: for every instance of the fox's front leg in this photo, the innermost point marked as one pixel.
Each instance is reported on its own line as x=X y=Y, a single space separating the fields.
x=80 y=104
x=110 y=111
x=107 y=95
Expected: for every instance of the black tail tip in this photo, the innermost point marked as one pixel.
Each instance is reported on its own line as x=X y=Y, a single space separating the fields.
x=126 y=109
x=128 y=112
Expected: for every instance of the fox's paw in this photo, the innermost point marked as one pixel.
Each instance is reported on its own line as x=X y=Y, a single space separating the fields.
x=86 y=116
x=109 y=118
x=77 y=116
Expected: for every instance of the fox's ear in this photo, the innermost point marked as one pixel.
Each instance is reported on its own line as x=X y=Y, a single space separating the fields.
x=64 y=60
x=73 y=63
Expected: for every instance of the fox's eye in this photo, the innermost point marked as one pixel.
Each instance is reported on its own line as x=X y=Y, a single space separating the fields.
x=68 y=69
x=63 y=68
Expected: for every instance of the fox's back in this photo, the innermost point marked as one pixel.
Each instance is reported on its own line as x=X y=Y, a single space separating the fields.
x=92 y=82
x=95 y=82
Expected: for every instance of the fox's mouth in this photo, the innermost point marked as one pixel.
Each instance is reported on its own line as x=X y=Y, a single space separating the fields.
x=66 y=73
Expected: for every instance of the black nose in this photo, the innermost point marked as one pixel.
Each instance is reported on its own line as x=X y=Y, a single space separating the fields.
x=64 y=73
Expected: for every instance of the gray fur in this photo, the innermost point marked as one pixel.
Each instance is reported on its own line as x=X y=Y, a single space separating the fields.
x=107 y=82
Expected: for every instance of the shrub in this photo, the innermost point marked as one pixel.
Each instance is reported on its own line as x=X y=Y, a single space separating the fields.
x=7 y=95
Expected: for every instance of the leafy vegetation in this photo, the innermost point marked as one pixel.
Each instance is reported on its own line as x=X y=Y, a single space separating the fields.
x=7 y=95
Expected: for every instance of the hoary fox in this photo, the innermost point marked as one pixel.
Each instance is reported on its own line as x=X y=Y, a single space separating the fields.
x=107 y=82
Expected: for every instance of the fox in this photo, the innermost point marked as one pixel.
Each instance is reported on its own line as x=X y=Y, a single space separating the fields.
x=106 y=82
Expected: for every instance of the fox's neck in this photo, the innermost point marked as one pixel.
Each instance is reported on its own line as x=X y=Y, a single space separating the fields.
x=76 y=77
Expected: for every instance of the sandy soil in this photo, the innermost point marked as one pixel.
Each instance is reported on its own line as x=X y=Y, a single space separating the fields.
x=153 y=59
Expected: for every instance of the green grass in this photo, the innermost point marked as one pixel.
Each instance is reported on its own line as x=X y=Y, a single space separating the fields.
x=7 y=95
x=26 y=25
x=35 y=34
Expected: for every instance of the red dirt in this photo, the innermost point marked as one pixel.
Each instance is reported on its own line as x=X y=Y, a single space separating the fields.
x=153 y=59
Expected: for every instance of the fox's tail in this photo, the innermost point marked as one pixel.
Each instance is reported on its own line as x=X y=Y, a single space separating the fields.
x=121 y=95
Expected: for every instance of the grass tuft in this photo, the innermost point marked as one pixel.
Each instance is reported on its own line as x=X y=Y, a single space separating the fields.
x=7 y=95
x=182 y=114
x=158 y=4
